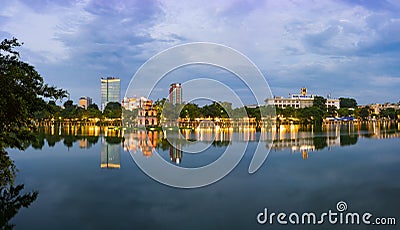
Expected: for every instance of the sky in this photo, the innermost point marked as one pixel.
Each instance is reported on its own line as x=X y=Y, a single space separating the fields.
x=342 y=48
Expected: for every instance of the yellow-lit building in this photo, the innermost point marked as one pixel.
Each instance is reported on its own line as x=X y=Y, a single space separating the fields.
x=147 y=115
x=130 y=103
x=84 y=102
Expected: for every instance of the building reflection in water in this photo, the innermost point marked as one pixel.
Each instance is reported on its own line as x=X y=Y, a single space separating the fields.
x=84 y=143
x=146 y=143
x=381 y=130
x=304 y=139
x=142 y=140
x=304 y=154
x=175 y=153
x=301 y=139
x=110 y=154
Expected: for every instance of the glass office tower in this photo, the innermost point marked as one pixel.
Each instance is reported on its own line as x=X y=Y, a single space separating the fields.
x=110 y=91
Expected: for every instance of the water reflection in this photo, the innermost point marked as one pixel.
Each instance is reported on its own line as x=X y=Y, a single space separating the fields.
x=11 y=197
x=301 y=139
x=364 y=179
x=175 y=153
x=141 y=140
x=110 y=154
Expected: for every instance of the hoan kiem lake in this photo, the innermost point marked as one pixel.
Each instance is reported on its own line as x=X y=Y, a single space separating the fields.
x=86 y=177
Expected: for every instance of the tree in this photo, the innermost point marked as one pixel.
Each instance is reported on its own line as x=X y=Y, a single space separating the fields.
x=92 y=111
x=113 y=110
x=388 y=113
x=364 y=112
x=158 y=106
x=320 y=102
x=227 y=107
x=253 y=112
x=191 y=111
x=239 y=112
x=279 y=111
x=319 y=109
x=343 y=112
x=331 y=111
x=129 y=117
x=68 y=104
x=22 y=92
x=210 y=110
x=222 y=109
x=289 y=112
x=216 y=110
x=311 y=114
x=93 y=106
x=169 y=111
x=70 y=110
x=347 y=102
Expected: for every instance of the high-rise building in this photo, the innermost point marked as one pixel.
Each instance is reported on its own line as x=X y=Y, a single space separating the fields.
x=175 y=93
x=110 y=91
x=84 y=102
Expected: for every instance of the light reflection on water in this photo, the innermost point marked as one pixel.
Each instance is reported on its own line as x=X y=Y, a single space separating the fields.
x=357 y=163
x=302 y=139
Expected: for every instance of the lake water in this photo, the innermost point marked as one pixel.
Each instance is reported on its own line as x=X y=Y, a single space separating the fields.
x=86 y=178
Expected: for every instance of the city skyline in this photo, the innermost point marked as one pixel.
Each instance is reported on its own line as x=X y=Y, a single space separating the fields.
x=175 y=91
x=348 y=49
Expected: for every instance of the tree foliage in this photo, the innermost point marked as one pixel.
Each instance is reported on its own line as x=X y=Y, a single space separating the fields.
x=22 y=98
x=320 y=102
x=364 y=112
x=191 y=111
x=388 y=113
x=347 y=102
x=214 y=110
x=113 y=110
x=22 y=92
x=344 y=112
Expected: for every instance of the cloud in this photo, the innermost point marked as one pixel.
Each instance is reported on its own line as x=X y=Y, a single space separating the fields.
x=327 y=46
x=42 y=31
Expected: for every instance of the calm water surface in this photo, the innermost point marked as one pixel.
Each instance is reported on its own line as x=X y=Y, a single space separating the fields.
x=86 y=178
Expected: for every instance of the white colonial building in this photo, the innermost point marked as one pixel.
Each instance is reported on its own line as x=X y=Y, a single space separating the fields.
x=298 y=101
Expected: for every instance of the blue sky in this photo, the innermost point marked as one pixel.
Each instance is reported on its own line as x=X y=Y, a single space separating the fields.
x=342 y=48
